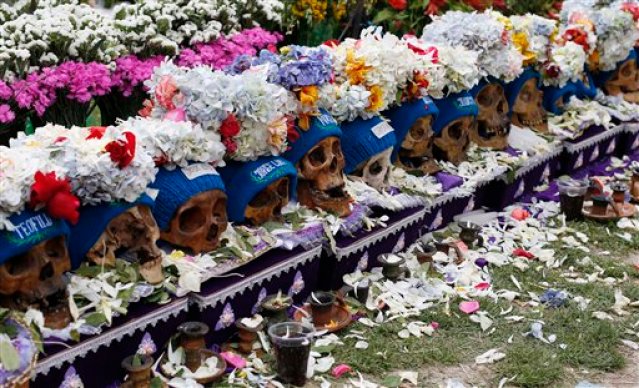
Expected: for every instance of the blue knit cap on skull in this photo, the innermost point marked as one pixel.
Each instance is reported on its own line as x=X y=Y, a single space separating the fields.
x=31 y=229
x=403 y=117
x=321 y=127
x=244 y=180
x=94 y=219
x=513 y=88
x=453 y=107
x=554 y=95
x=363 y=139
x=175 y=187
x=586 y=88
x=604 y=76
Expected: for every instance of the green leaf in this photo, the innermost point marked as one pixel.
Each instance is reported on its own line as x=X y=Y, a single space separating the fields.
x=96 y=319
x=392 y=381
x=75 y=335
x=136 y=362
x=9 y=356
x=383 y=15
x=88 y=271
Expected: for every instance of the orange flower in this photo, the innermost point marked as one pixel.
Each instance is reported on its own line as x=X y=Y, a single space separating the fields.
x=375 y=100
x=309 y=95
x=356 y=69
x=304 y=121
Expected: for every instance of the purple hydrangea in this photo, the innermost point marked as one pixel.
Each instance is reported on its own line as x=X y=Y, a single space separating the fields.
x=305 y=66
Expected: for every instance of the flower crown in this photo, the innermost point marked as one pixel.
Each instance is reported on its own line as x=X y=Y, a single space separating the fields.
x=248 y=112
x=532 y=35
x=369 y=74
x=301 y=70
x=448 y=69
x=21 y=168
x=101 y=164
x=607 y=33
x=487 y=33
x=175 y=143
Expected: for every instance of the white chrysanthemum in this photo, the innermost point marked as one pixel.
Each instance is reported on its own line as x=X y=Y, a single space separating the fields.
x=616 y=36
x=208 y=97
x=18 y=167
x=176 y=143
x=344 y=101
x=538 y=31
x=570 y=59
x=480 y=32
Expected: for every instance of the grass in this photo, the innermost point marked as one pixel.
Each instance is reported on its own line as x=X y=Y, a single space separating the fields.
x=586 y=342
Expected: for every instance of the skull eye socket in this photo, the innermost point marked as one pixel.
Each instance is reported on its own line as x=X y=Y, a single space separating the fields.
x=376 y=168
x=455 y=130
x=20 y=265
x=417 y=131
x=317 y=156
x=282 y=188
x=626 y=69
x=484 y=98
x=502 y=107
x=55 y=249
x=191 y=219
x=525 y=95
x=261 y=199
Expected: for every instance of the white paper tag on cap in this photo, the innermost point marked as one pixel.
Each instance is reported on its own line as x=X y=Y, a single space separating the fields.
x=382 y=129
x=197 y=170
x=151 y=192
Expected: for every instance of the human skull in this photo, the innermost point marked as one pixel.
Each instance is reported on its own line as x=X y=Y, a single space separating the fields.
x=321 y=178
x=133 y=232
x=267 y=204
x=199 y=223
x=416 y=150
x=625 y=82
x=36 y=279
x=493 y=124
x=452 y=142
x=528 y=110
x=375 y=170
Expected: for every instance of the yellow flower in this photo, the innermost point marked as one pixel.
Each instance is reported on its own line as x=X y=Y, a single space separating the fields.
x=375 y=100
x=285 y=50
x=508 y=25
x=176 y=255
x=339 y=10
x=309 y=95
x=356 y=68
x=520 y=41
x=316 y=9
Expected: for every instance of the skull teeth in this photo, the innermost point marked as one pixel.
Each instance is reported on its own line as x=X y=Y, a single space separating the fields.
x=532 y=122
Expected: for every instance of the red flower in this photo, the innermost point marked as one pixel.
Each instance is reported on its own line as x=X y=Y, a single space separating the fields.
x=520 y=252
x=331 y=43
x=291 y=132
x=230 y=126
x=434 y=6
x=398 y=5
x=230 y=144
x=552 y=71
x=55 y=194
x=272 y=48
x=96 y=132
x=60 y=139
x=482 y=286
x=122 y=152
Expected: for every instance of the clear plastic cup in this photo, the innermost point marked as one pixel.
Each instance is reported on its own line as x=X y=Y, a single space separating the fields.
x=571 y=197
x=292 y=347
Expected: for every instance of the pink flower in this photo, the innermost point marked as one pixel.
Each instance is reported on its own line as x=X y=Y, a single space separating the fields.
x=176 y=115
x=6 y=114
x=165 y=91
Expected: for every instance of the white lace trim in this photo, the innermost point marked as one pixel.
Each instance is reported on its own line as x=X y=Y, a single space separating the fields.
x=538 y=160
x=577 y=147
x=379 y=235
x=255 y=280
x=163 y=313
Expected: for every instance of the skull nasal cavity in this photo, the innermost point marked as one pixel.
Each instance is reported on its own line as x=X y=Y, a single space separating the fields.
x=46 y=272
x=191 y=219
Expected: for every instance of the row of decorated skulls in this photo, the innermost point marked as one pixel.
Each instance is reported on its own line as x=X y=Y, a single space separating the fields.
x=35 y=277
